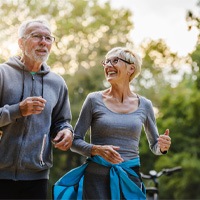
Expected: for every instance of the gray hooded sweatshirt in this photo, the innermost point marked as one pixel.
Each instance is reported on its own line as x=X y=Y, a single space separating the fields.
x=25 y=142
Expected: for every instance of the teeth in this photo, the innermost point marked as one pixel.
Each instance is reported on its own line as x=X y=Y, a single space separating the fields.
x=109 y=73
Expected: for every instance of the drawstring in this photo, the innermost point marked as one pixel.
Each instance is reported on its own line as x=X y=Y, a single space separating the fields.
x=42 y=86
x=22 y=96
x=23 y=85
x=42 y=68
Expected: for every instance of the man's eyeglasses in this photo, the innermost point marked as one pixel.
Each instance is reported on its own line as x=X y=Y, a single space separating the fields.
x=113 y=61
x=38 y=37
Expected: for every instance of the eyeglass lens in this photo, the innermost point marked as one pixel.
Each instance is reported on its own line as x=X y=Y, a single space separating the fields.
x=113 y=61
x=40 y=37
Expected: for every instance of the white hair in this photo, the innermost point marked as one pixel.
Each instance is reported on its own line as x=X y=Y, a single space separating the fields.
x=129 y=56
x=23 y=27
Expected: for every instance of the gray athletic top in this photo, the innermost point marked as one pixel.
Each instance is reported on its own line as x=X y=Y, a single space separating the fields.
x=110 y=128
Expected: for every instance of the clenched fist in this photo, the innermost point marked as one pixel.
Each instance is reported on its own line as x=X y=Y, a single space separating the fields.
x=32 y=105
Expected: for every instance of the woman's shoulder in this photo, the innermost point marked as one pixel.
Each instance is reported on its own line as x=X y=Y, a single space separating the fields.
x=94 y=95
x=93 y=98
x=145 y=101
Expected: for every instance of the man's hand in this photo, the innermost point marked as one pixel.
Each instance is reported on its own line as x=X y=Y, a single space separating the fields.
x=63 y=140
x=32 y=105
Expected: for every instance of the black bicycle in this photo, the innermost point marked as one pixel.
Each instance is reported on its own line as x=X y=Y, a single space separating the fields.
x=152 y=193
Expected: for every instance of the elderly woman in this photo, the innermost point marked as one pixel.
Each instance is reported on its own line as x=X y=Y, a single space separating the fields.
x=115 y=117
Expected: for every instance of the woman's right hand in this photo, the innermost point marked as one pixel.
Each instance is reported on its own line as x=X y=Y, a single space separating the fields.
x=108 y=152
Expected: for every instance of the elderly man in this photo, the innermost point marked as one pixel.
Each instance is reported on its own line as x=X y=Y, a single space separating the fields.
x=34 y=115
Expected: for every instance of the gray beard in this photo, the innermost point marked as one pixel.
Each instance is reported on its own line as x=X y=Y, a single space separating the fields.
x=41 y=58
x=37 y=58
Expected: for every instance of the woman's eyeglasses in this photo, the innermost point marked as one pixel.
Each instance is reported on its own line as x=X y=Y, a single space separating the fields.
x=113 y=61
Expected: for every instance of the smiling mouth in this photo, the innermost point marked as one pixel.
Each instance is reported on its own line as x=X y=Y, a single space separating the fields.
x=111 y=73
x=41 y=51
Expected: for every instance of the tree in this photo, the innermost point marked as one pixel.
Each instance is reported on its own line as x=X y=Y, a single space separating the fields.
x=180 y=111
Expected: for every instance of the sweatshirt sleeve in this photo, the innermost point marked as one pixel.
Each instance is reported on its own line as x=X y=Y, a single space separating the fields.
x=151 y=130
x=8 y=112
x=61 y=116
x=79 y=145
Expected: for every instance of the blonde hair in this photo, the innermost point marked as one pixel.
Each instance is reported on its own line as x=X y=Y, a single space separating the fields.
x=129 y=56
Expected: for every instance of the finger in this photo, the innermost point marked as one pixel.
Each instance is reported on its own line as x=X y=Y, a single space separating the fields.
x=58 y=138
x=115 y=147
x=62 y=141
x=38 y=103
x=166 y=132
x=115 y=154
x=38 y=109
x=112 y=157
x=64 y=146
x=40 y=99
x=164 y=140
x=112 y=152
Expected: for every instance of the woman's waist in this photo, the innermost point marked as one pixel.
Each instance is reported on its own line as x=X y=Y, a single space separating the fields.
x=98 y=169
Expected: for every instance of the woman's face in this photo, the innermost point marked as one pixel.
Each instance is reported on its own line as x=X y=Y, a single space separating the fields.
x=115 y=68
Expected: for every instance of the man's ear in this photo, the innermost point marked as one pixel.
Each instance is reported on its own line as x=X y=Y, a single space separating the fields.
x=20 y=44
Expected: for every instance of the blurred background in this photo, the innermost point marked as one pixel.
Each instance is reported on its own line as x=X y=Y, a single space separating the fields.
x=165 y=33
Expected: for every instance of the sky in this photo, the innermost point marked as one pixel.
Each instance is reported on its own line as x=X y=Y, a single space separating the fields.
x=162 y=19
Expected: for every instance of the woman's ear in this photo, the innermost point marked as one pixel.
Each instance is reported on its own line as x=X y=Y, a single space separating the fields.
x=132 y=69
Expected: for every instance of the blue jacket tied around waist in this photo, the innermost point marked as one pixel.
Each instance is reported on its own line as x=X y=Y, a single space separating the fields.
x=70 y=186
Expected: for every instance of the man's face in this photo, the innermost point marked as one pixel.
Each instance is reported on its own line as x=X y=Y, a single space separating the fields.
x=36 y=43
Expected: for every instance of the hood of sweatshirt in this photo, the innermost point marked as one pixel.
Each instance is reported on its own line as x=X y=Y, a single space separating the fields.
x=15 y=62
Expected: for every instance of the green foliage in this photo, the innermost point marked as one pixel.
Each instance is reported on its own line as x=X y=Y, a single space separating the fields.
x=196 y=66
x=180 y=112
x=183 y=184
x=158 y=70
x=182 y=106
x=81 y=83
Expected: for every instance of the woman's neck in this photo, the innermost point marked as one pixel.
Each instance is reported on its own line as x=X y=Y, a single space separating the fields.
x=119 y=93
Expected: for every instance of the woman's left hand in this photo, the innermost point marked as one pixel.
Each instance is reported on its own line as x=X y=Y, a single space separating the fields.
x=164 y=141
